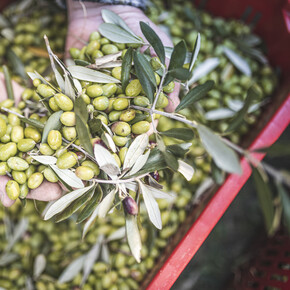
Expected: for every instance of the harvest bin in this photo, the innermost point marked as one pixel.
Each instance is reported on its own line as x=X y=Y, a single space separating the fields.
x=205 y=214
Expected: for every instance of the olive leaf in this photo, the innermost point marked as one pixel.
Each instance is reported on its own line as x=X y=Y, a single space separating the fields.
x=68 y=177
x=185 y=134
x=91 y=205
x=108 y=140
x=69 y=88
x=145 y=75
x=265 y=198
x=16 y=64
x=203 y=69
x=169 y=50
x=53 y=123
x=72 y=270
x=118 y=234
x=95 y=126
x=80 y=109
x=194 y=95
x=138 y=118
x=252 y=94
x=90 y=221
x=153 y=40
x=105 y=253
x=75 y=206
x=140 y=162
x=285 y=201
x=106 y=203
x=62 y=203
x=275 y=150
x=195 y=52
x=185 y=169
x=111 y=17
x=126 y=68
x=90 y=75
x=91 y=257
x=106 y=161
x=35 y=123
x=133 y=237
x=60 y=81
x=118 y=34
x=224 y=157
x=84 y=135
x=181 y=73
x=217 y=174
x=8 y=258
x=8 y=83
x=39 y=265
x=135 y=150
x=151 y=206
x=43 y=159
x=158 y=194
x=110 y=58
x=237 y=61
x=219 y=114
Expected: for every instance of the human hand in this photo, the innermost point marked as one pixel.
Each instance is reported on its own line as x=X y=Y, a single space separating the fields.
x=47 y=191
x=81 y=25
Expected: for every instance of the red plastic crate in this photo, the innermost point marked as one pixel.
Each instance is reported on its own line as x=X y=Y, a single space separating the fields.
x=272 y=27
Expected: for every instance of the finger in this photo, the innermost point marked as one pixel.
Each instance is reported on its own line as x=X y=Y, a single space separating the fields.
x=173 y=99
x=5 y=200
x=17 y=89
x=47 y=191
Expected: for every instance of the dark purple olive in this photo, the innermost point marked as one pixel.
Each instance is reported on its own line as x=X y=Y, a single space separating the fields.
x=155 y=175
x=130 y=205
x=81 y=156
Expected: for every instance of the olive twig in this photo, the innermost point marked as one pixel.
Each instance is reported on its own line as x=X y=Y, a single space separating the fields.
x=117 y=181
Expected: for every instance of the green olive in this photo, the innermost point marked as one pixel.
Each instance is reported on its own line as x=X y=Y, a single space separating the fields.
x=17 y=134
x=104 y=41
x=32 y=133
x=155 y=63
x=116 y=72
x=109 y=89
x=140 y=127
x=27 y=94
x=102 y=118
x=45 y=149
x=101 y=103
x=23 y=190
x=92 y=46
x=17 y=163
x=157 y=78
x=92 y=165
x=25 y=145
x=69 y=133
x=4 y=168
x=122 y=154
x=45 y=90
x=34 y=117
x=120 y=104
x=141 y=101
x=109 y=49
x=74 y=52
x=64 y=102
x=7 y=103
x=169 y=88
x=95 y=35
x=67 y=160
x=12 y=189
x=7 y=151
x=114 y=115
x=54 y=139
x=133 y=89
x=94 y=91
x=35 y=180
x=50 y=175
x=121 y=128
x=13 y=120
x=86 y=98
x=120 y=141
x=84 y=172
x=36 y=82
x=96 y=54
x=19 y=176
x=68 y=119
x=53 y=105
x=128 y=115
x=30 y=170
x=60 y=151
x=3 y=127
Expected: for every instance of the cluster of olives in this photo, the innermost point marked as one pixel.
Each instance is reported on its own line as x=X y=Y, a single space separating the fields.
x=28 y=28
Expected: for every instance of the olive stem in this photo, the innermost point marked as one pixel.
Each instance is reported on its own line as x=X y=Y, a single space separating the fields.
x=119 y=180
x=12 y=112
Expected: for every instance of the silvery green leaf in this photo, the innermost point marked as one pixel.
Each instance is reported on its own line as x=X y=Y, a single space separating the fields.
x=28 y=284
x=72 y=270
x=53 y=123
x=185 y=169
x=203 y=187
x=90 y=260
x=237 y=61
x=169 y=50
x=68 y=88
x=132 y=186
x=78 y=85
x=39 y=265
x=120 y=233
x=151 y=206
x=153 y=183
x=106 y=161
x=108 y=140
x=140 y=162
x=90 y=75
x=219 y=114
x=90 y=221
x=136 y=149
x=8 y=33
x=111 y=64
x=195 y=52
x=224 y=157
x=203 y=69
x=16 y=64
x=105 y=254
x=118 y=34
x=111 y=17
x=68 y=177
x=8 y=258
x=60 y=81
x=23 y=5
x=107 y=129
x=133 y=237
x=32 y=75
x=8 y=83
x=18 y=232
x=159 y=194
x=106 y=204
x=108 y=58
x=3 y=21
x=59 y=205
x=46 y=160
